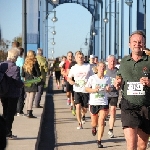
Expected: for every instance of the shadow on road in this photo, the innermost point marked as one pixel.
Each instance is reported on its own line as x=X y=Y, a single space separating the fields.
x=46 y=137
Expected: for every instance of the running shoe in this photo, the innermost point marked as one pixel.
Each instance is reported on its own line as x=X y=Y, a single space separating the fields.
x=83 y=119
x=11 y=137
x=80 y=126
x=99 y=144
x=94 y=131
x=68 y=101
x=20 y=114
x=73 y=112
x=110 y=134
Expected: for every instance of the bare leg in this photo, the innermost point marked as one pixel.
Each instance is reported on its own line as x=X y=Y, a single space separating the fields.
x=131 y=138
x=142 y=140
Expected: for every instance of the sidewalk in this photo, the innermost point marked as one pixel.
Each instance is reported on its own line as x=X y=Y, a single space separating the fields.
x=63 y=134
x=68 y=137
x=26 y=129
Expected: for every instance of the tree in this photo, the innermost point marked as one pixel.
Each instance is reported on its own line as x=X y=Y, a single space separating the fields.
x=18 y=39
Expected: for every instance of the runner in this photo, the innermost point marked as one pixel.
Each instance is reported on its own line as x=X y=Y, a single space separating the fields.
x=97 y=86
x=57 y=72
x=81 y=73
x=64 y=72
x=72 y=98
x=64 y=58
x=111 y=71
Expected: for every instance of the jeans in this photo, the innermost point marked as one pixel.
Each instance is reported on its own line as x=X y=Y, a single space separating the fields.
x=9 y=110
x=29 y=100
x=39 y=94
x=20 y=104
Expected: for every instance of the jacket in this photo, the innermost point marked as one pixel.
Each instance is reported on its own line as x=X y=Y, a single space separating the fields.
x=15 y=83
x=43 y=65
x=35 y=73
x=19 y=63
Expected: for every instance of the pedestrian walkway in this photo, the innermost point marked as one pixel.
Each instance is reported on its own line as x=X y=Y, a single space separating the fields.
x=26 y=129
x=57 y=130
x=63 y=135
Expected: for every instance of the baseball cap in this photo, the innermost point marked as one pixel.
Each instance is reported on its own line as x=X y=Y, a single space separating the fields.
x=92 y=56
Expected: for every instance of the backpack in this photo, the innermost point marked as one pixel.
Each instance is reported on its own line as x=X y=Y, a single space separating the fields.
x=4 y=84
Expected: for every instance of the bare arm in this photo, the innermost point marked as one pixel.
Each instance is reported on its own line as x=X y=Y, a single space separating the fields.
x=90 y=90
x=70 y=81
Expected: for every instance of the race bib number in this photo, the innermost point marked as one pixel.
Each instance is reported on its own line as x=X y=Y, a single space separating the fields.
x=112 y=81
x=80 y=83
x=100 y=94
x=135 y=88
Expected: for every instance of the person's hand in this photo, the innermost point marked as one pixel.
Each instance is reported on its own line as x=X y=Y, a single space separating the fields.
x=107 y=88
x=145 y=81
x=117 y=82
x=96 y=90
x=72 y=82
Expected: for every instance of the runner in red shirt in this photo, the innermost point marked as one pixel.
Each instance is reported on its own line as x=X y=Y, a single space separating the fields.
x=64 y=72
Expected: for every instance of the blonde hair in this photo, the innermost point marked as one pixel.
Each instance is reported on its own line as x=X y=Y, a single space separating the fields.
x=29 y=61
x=13 y=54
x=95 y=70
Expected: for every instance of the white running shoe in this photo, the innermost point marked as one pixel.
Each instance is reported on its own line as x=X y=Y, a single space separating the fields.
x=110 y=134
x=80 y=126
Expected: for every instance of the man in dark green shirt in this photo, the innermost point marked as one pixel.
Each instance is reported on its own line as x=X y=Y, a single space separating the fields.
x=135 y=93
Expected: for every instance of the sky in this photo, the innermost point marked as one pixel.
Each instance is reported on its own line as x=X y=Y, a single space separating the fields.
x=11 y=18
x=72 y=27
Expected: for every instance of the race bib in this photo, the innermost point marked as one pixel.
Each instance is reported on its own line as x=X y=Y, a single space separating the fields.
x=80 y=83
x=112 y=81
x=135 y=88
x=100 y=94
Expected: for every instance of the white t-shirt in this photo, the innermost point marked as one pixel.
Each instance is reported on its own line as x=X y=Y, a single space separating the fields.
x=81 y=75
x=61 y=64
x=99 y=98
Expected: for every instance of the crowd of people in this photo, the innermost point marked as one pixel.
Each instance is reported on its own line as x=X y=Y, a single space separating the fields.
x=19 y=70
x=93 y=84
x=90 y=84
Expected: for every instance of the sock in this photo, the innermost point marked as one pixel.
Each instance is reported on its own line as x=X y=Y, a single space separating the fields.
x=111 y=130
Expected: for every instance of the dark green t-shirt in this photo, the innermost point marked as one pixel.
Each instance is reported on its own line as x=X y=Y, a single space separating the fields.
x=131 y=72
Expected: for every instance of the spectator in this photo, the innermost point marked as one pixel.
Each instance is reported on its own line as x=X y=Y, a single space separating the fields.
x=43 y=65
x=9 y=101
x=29 y=71
x=15 y=44
x=2 y=133
x=20 y=104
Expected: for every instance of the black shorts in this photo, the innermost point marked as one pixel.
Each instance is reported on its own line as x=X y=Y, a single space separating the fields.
x=94 y=109
x=69 y=87
x=132 y=118
x=81 y=98
x=113 y=101
x=57 y=75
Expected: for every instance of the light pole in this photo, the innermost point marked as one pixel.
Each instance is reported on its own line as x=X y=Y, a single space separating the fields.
x=52 y=52
x=54 y=19
x=53 y=42
x=94 y=33
x=129 y=3
x=50 y=27
x=106 y=20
